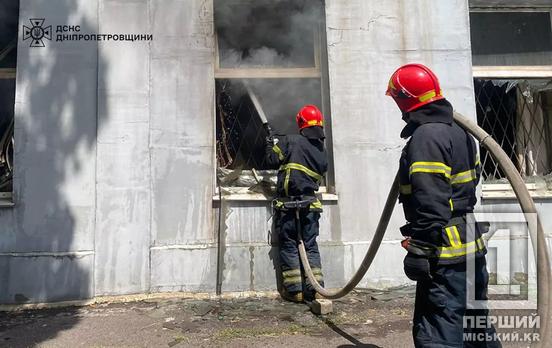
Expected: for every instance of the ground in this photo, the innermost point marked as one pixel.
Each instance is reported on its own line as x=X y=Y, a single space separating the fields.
x=365 y=318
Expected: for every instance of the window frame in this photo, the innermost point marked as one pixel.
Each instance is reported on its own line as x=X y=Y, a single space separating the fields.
x=498 y=191
x=8 y=73
x=514 y=71
x=6 y=198
x=318 y=71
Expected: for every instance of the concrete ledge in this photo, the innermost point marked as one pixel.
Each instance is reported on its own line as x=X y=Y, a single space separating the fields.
x=143 y=297
x=6 y=199
x=140 y=297
x=253 y=196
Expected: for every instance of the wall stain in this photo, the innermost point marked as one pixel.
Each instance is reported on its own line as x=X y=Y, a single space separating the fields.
x=251 y=268
x=224 y=213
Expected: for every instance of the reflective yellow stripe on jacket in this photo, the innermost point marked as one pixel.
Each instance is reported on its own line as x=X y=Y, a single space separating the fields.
x=430 y=167
x=463 y=177
x=441 y=168
x=296 y=166
x=458 y=248
x=302 y=168
x=286 y=181
x=279 y=152
x=454 y=236
x=316 y=205
x=462 y=250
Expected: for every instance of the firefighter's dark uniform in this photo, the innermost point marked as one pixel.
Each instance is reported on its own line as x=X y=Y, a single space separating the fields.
x=439 y=172
x=301 y=162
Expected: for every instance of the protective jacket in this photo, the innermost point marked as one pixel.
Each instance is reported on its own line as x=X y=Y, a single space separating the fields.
x=301 y=164
x=439 y=172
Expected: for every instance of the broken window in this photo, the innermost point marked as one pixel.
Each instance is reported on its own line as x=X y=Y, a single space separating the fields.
x=512 y=64
x=9 y=18
x=270 y=61
x=518 y=115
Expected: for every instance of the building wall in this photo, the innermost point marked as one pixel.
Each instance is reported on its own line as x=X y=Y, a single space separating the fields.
x=367 y=41
x=47 y=242
x=115 y=163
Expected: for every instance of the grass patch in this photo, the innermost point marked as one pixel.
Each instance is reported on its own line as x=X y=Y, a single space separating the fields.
x=178 y=339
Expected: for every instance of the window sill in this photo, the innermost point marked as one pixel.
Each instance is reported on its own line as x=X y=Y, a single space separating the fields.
x=243 y=194
x=505 y=191
x=512 y=72
x=6 y=200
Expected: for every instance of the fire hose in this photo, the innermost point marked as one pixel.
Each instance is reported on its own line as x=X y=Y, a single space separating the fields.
x=528 y=207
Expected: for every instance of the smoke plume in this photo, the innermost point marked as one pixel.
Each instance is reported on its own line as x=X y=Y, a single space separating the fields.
x=272 y=34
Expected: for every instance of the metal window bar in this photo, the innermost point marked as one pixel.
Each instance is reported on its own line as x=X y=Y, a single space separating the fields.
x=6 y=50
x=6 y=129
x=518 y=116
x=240 y=134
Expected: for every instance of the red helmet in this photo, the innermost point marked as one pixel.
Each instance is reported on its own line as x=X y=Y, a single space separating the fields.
x=413 y=86
x=309 y=116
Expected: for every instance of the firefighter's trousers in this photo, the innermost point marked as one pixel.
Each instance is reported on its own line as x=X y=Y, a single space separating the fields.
x=441 y=307
x=292 y=273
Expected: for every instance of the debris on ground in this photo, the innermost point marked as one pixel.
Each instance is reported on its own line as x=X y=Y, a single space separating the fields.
x=364 y=318
x=210 y=323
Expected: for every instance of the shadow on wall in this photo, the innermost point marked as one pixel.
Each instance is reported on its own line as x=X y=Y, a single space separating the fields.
x=47 y=243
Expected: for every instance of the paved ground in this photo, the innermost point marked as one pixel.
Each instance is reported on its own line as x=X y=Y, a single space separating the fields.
x=362 y=319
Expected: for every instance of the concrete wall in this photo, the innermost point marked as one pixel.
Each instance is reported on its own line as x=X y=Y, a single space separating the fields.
x=114 y=159
x=515 y=239
x=115 y=151
x=367 y=41
x=47 y=242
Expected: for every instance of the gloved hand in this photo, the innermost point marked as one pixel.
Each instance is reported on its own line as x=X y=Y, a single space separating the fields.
x=417 y=267
x=270 y=139
x=405 y=230
x=418 y=247
x=484 y=227
x=268 y=129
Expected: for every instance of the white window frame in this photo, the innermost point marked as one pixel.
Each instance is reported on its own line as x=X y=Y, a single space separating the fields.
x=505 y=191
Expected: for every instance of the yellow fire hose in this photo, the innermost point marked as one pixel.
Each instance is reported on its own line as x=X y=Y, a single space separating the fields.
x=527 y=206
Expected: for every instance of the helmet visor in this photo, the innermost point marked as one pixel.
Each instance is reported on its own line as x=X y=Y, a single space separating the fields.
x=398 y=93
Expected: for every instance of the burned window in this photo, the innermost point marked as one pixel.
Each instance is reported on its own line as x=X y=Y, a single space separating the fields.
x=511 y=38
x=512 y=58
x=518 y=115
x=270 y=61
x=9 y=18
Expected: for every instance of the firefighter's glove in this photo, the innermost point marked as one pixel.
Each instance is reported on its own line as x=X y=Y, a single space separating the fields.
x=405 y=230
x=417 y=267
x=484 y=227
x=418 y=247
x=271 y=140
x=268 y=129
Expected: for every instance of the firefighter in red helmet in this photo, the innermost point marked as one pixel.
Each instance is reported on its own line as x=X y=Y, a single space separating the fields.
x=439 y=171
x=301 y=161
